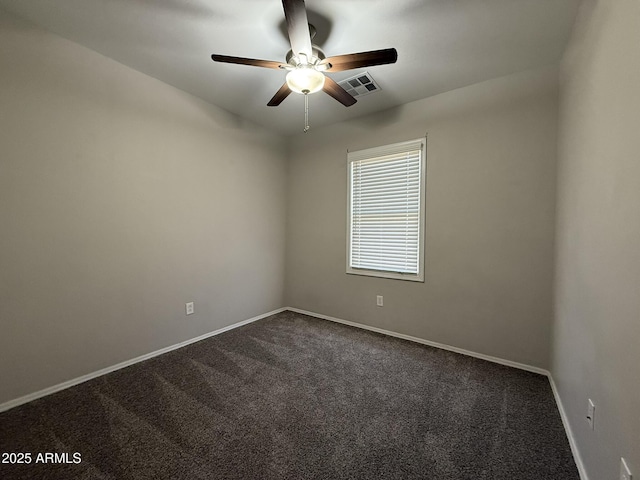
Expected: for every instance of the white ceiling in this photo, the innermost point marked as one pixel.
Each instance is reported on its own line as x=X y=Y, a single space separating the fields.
x=441 y=44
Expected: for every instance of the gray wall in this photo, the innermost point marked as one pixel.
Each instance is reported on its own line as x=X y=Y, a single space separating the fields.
x=120 y=201
x=596 y=351
x=122 y=198
x=491 y=166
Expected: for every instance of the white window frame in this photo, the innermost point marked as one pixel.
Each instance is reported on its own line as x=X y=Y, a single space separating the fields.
x=375 y=152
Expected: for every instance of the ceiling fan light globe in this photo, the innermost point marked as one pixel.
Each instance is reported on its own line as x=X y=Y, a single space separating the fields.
x=305 y=80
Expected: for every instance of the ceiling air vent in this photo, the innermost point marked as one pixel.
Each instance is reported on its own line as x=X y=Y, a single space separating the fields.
x=360 y=85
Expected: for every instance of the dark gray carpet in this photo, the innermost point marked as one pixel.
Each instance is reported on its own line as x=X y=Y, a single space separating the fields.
x=293 y=397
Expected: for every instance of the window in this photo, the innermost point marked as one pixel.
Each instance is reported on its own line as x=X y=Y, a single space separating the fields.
x=386 y=211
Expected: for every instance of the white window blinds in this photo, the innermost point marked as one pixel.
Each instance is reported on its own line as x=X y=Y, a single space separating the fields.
x=385 y=210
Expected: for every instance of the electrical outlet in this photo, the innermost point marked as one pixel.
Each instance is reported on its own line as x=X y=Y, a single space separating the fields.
x=189 y=308
x=625 y=473
x=379 y=301
x=591 y=411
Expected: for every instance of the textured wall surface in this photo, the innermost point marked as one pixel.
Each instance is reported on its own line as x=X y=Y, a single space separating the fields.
x=491 y=167
x=597 y=328
x=122 y=198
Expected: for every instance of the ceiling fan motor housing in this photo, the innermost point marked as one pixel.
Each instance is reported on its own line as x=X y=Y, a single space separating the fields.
x=317 y=55
x=306 y=75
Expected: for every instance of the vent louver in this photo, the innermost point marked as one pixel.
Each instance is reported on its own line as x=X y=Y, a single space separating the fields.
x=359 y=85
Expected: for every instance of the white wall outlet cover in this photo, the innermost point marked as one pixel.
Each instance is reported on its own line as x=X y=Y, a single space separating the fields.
x=189 y=308
x=379 y=301
x=625 y=473
x=591 y=411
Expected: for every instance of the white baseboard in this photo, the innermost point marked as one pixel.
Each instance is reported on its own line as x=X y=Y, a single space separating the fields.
x=567 y=427
x=70 y=383
x=442 y=346
x=565 y=421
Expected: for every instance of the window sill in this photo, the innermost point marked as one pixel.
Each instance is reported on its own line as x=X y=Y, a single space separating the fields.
x=382 y=274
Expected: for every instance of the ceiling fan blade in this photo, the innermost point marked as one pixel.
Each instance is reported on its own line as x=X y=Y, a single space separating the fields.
x=298 y=27
x=280 y=96
x=247 y=61
x=337 y=92
x=364 y=59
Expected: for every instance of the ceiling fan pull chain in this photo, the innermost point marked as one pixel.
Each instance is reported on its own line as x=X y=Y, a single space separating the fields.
x=306 y=113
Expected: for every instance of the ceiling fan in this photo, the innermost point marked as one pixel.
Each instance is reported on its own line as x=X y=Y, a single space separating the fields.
x=306 y=62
